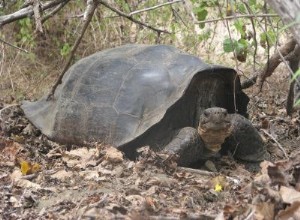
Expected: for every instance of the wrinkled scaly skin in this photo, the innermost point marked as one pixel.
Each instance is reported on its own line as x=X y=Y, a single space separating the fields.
x=219 y=132
x=215 y=125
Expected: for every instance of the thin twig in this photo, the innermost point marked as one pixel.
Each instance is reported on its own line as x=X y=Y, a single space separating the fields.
x=154 y=7
x=250 y=214
x=89 y=15
x=196 y=171
x=54 y=11
x=23 y=50
x=278 y=144
x=6 y=107
x=129 y=17
x=206 y=173
x=254 y=34
x=236 y=16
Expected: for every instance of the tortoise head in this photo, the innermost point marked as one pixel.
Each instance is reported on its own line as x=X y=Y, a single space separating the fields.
x=214 y=126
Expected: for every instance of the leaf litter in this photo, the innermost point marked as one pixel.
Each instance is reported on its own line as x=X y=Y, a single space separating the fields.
x=41 y=179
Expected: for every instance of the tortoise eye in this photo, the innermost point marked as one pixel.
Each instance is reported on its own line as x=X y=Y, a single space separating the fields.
x=206 y=113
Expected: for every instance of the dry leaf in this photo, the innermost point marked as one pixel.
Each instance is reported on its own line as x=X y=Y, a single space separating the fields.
x=264 y=211
x=218 y=182
x=290 y=213
x=277 y=176
x=9 y=149
x=29 y=168
x=81 y=157
x=16 y=177
x=62 y=175
x=296 y=175
x=113 y=155
x=264 y=166
x=289 y=195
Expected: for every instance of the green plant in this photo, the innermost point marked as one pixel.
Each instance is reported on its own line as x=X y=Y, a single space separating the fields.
x=25 y=32
x=65 y=49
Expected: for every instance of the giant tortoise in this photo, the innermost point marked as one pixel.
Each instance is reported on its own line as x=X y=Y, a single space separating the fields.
x=156 y=95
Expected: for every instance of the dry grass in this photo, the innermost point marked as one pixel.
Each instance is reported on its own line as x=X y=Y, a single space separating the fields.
x=29 y=76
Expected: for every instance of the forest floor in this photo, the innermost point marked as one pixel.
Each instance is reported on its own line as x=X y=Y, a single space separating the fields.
x=41 y=179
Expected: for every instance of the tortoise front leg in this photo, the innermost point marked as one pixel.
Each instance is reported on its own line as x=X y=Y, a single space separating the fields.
x=188 y=145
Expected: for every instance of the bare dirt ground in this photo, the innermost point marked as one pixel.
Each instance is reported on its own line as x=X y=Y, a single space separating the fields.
x=40 y=179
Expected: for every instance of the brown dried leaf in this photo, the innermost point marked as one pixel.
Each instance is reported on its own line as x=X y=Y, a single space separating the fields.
x=113 y=155
x=9 y=149
x=81 y=157
x=229 y=211
x=291 y=212
x=62 y=175
x=277 y=176
x=264 y=166
x=150 y=204
x=264 y=211
x=16 y=176
x=296 y=175
x=289 y=195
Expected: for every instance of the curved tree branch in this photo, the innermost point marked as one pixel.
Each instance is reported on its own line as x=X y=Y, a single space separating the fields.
x=154 y=7
x=129 y=17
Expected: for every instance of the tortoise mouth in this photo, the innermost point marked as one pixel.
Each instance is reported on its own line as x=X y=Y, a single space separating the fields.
x=214 y=138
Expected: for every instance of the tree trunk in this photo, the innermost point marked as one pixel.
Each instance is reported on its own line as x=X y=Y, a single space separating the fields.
x=289 y=11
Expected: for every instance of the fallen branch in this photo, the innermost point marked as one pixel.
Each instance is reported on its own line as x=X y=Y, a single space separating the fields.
x=278 y=144
x=9 y=44
x=196 y=171
x=206 y=173
x=37 y=16
x=28 y=11
x=91 y=7
x=129 y=17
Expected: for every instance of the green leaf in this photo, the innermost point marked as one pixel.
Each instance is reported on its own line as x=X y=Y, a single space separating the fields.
x=252 y=2
x=65 y=50
x=296 y=75
x=229 y=45
x=270 y=35
x=240 y=26
x=241 y=8
x=201 y=14
x=242 y=45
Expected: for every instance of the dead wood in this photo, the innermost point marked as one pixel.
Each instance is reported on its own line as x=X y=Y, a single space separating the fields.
x=260 y=77
x=289 y=12
x=28 y=11
x=294 y=59
x=13 y=46
x=275 y=60
x=91 y=7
